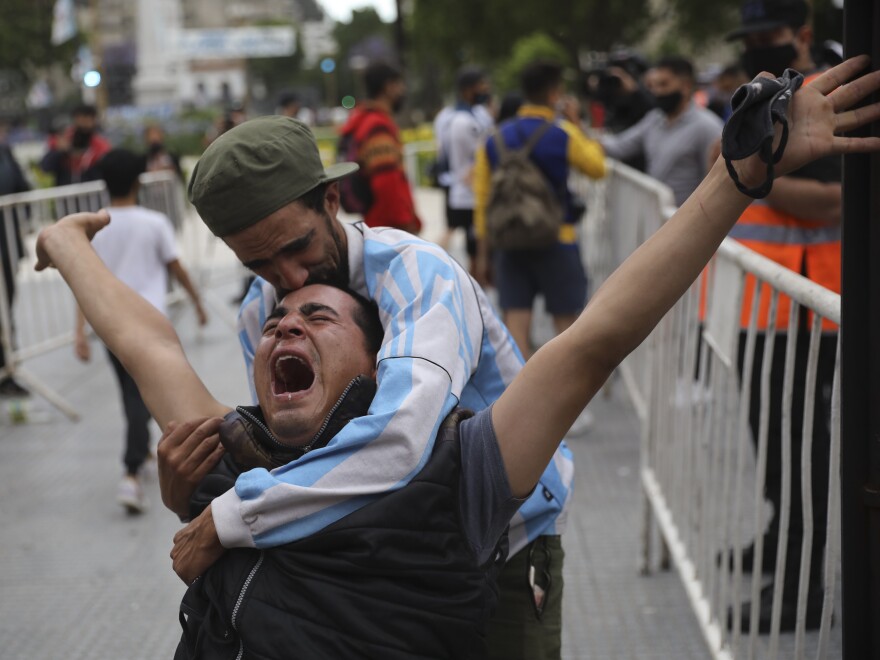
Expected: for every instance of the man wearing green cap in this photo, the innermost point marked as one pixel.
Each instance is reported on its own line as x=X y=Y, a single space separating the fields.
x=261 y=187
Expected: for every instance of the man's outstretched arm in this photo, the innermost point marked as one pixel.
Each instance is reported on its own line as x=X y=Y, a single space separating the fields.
x=565 y=374
x=135 y=331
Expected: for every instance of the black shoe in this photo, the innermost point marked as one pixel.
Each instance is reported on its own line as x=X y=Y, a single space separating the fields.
x=12 y=390
x=768 y=562
x=788 y=617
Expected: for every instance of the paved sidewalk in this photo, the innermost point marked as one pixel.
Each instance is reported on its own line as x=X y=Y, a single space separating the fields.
x=81 y=579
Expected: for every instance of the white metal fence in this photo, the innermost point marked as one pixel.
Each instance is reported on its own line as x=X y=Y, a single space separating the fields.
x=733 y=417
x=37 y=309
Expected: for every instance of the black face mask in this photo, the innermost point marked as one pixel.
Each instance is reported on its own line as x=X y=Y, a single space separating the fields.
x=81 y=138
x=480 y=99
x=773 y=59
x=669 y=103
x=397 y=104
x=156 y=148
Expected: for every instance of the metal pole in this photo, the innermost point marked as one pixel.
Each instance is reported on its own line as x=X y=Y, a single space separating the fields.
x=400 y=36
x=860 y=386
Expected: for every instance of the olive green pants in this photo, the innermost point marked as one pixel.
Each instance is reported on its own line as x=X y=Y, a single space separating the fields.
x=523 y=626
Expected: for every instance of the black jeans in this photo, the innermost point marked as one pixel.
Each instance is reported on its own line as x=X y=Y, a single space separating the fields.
x=9 y=283
x=820 y=448
x=137 y=435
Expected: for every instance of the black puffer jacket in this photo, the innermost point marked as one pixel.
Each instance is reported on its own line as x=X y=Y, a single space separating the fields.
x=395 y=580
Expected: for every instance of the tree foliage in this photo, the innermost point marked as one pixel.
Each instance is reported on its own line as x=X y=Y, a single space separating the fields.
x=528 y=49
x=276 y=73
x=365 y=37
x=457 y=32
x=365 y=25
x=696 y=23
x=25 y=32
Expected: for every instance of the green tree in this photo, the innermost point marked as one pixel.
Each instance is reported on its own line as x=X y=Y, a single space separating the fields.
x=526 y=50
x=365 y=24
x=276 y=73
x=365 y=37
x=25 y=33
x=696 y=23
x=487 y=31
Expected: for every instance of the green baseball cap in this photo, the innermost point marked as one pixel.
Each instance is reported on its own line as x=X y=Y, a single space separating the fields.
x=256 y=168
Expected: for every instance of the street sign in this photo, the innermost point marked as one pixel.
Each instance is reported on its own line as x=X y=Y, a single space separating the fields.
x=232 y=43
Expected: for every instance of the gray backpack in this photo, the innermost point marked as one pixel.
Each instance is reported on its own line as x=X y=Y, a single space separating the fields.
x=523 y=212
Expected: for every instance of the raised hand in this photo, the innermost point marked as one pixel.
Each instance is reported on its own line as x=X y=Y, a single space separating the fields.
x=186 y=453
x=818 y=114
x=77 y=224
x=196 y=547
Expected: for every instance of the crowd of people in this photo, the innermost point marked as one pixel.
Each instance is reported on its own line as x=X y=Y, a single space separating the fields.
x=399 y=484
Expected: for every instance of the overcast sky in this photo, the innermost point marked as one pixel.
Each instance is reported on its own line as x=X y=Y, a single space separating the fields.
x=340 y=10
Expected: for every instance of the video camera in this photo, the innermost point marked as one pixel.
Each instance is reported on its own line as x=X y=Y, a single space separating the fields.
x=602 y=83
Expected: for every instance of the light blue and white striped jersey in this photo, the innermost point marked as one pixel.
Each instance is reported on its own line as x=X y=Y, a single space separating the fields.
x=444 y=346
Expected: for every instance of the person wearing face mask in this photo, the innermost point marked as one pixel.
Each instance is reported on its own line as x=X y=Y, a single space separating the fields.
x=159 y=159
x=468 y=126
x=73 y=154
x=723 y=86
x=797 y=225
x=381 y=185
x=676 y=135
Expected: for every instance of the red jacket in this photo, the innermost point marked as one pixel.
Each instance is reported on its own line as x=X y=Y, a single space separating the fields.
x=380 y=155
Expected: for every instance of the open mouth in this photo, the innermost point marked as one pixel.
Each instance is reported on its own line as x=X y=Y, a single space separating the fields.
x=292 y=374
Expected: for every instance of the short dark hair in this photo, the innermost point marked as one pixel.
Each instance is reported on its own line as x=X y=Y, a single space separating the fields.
x=379 y=74
x=314 y=198
x=84 y=110
x=367 y=319
x=538 y=79
x=287 y=98
x=679 y=66
x=510 y=105
x=731 y=70
x=120 y=169
x=468 y=77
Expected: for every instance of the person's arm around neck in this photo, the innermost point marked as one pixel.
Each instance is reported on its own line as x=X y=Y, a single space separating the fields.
x=543 y=401
x=135 y=331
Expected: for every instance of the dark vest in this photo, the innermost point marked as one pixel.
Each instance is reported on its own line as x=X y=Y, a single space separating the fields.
x=395 y=579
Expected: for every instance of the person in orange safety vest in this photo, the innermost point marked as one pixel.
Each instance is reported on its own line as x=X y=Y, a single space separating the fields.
x=798 y=226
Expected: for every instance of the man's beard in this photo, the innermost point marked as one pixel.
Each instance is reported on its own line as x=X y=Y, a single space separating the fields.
x=335 y=274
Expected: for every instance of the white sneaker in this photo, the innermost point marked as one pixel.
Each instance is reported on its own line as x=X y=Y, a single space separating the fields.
x=582 y=425
x=149 y=470
x=131 y=495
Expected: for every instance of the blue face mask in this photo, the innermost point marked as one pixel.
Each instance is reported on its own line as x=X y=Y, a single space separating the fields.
x=481 y=98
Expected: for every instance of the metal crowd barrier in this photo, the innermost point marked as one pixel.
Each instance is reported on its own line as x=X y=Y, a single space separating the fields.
x=37 y=309
x=205 y=256
x=703 y=474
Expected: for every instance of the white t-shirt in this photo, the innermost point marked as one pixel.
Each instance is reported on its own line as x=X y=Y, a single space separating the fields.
x=467 y=131
x=137 y=247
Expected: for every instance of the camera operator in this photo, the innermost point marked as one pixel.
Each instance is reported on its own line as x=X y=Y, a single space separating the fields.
x=620 y=90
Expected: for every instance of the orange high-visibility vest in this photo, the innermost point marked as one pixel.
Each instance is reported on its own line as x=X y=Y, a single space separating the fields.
x=807 y=247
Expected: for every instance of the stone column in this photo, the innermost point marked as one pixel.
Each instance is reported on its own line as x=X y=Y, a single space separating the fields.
x=158 y=30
